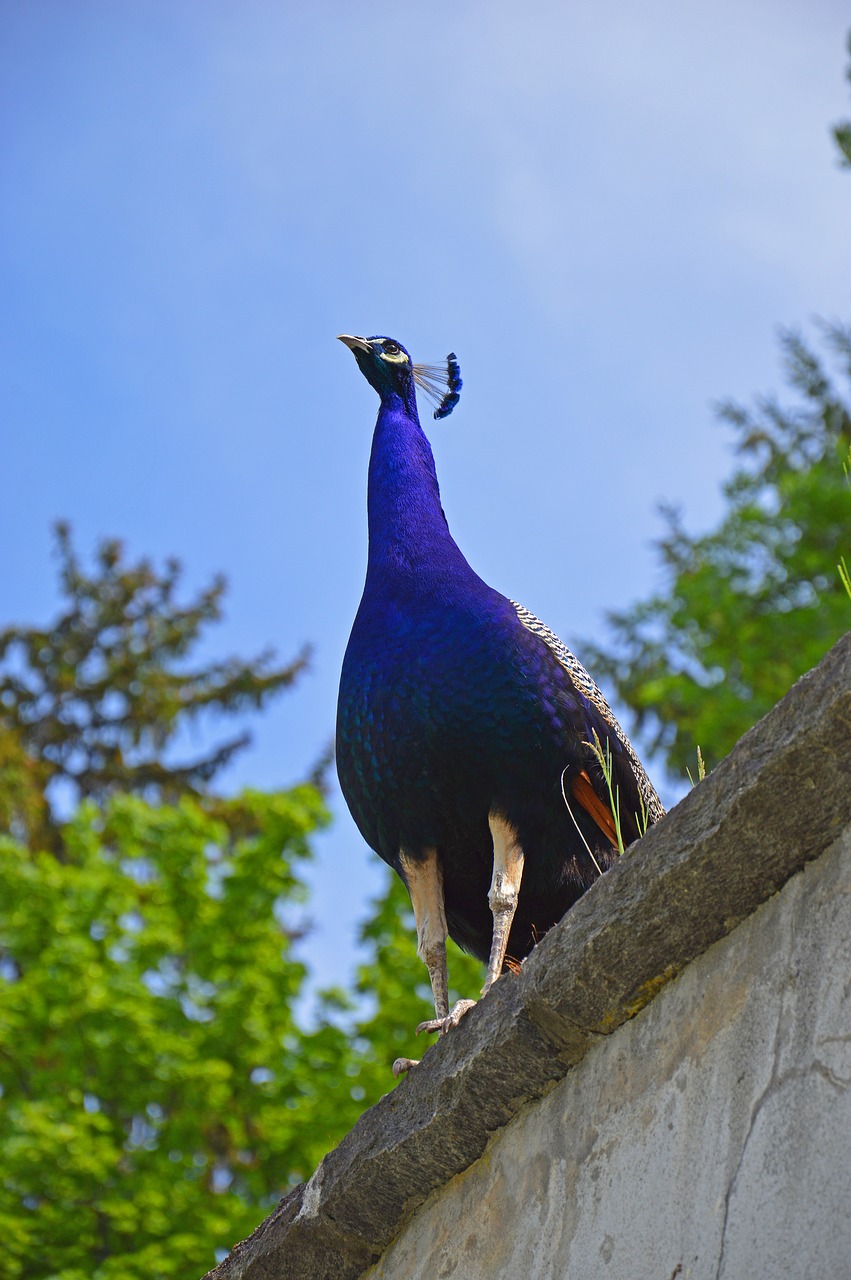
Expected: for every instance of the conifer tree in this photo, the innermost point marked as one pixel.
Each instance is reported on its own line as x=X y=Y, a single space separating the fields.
x=91 y=703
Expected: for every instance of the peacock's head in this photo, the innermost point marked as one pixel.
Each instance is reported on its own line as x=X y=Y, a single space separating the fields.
x=388 y=368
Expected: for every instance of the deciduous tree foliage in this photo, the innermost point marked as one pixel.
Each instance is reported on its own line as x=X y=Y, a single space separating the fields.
x=157 y=1092
x=151 y=1068
x=749 y=607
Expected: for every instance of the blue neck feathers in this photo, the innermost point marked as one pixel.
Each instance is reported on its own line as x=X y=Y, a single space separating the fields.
x=408 y=534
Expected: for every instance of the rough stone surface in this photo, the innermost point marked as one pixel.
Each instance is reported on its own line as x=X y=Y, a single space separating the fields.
x=708 y=1138
x=765 y=1074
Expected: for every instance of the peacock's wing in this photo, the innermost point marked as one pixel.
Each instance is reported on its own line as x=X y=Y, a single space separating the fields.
x=599 y=714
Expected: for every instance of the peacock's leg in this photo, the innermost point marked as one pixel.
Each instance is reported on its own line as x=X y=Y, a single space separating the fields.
x=424 y=878
x=503 y=895
x=504 y=891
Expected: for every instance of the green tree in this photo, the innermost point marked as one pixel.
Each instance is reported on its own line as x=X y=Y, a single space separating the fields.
x=151 y=1069
x=749 y=607
x=157 y=1091
x=95 y=700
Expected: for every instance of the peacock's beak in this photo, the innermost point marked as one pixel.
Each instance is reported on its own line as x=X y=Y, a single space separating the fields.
x=354 y=344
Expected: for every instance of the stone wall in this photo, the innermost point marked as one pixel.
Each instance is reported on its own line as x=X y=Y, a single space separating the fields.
x=663 y=1091
x=708 y=1137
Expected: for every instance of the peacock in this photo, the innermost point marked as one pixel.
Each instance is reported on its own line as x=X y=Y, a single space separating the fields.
x=478 y=757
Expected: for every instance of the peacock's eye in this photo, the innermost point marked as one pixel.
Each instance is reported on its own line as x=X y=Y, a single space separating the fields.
x=391 y=348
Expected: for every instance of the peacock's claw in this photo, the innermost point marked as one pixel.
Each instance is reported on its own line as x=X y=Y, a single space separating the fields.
x=401 y=1065
x=442 y=1025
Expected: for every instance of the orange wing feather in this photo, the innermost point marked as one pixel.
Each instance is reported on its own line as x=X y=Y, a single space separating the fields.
x=584 y=794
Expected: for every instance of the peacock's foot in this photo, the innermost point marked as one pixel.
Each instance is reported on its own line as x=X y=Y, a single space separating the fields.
x=451 y=1020
x=401 y=1065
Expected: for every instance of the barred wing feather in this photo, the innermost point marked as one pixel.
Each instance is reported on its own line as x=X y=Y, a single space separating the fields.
x=588 y=687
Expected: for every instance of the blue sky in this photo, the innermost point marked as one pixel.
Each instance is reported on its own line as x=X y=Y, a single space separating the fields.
x=605 y=210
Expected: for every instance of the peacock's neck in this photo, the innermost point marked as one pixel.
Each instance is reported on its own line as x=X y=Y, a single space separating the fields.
x=409 y=538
